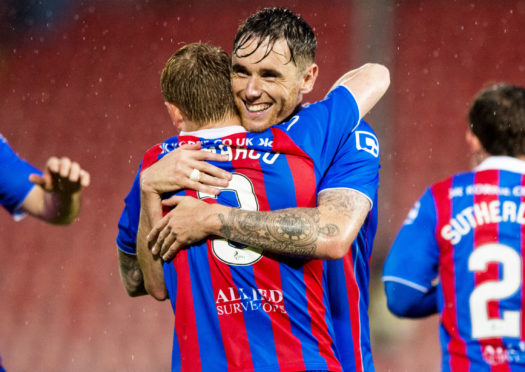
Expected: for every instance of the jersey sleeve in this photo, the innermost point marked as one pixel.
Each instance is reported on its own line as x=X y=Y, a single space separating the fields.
x=356 y=164
x=321 y=128
x=414 y=257
x=14 y=179
x=129 y=219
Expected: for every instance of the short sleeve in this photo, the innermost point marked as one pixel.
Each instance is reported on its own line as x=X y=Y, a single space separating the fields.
x=356 y=164
x=321 y=128
x=129 y=220
x=14 y=179
x=414 y=257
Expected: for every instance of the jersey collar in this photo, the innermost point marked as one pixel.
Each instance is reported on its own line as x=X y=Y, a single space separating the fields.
x=215 y=132
x=507 y=163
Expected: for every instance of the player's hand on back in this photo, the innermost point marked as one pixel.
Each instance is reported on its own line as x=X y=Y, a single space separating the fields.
x=173 y=171
x=182 y=226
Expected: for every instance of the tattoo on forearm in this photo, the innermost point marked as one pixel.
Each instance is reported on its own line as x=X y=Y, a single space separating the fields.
x=343 y=202
x=131 y=275
x=293 y=232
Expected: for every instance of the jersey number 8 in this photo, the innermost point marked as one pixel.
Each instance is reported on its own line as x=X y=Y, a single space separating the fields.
x=241 y=189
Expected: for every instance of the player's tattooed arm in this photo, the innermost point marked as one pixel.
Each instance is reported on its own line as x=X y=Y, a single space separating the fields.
x=150 y=264
x=294 y=232
x=326 y=231
x=131 y=275
x=323 y=232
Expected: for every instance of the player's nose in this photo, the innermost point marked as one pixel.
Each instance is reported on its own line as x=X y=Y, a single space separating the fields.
x=253 y=88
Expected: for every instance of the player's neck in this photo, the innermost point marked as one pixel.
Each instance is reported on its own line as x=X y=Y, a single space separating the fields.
x=189 y=126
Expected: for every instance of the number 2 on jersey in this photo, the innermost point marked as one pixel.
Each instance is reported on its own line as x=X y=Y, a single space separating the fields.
x=509 y=323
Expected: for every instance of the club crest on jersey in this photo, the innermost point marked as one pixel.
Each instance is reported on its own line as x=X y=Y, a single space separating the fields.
x=368 y=142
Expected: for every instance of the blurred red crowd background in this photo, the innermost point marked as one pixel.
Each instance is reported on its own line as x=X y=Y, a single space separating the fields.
x=82 y=79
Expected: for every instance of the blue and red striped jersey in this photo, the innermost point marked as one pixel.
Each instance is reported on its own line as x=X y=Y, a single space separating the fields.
x=14 y=179
x=236 y=309
x=468 y=231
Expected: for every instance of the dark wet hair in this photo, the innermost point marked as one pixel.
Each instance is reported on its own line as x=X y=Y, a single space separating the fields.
x=273 y=24
x=497 y=118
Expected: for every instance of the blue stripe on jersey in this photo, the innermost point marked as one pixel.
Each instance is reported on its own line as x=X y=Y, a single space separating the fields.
x=340 y=314
x=302 y=327
x=212 y=358
x=258 y=324
x=285 y=197
x=170 y=279
x=328 y=314
x=509 y=234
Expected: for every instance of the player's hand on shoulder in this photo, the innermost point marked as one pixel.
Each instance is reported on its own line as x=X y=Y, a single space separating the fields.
x=186 y=167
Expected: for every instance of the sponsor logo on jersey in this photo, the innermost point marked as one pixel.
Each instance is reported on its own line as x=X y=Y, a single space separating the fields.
x=368 y=142
x=237 y=300
x=497 y=355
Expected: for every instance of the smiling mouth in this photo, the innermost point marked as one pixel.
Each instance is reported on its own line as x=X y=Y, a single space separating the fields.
x=256 y=108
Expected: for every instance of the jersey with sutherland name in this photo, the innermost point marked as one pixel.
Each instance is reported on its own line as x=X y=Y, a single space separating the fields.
x=235 y=308
x=469 y=230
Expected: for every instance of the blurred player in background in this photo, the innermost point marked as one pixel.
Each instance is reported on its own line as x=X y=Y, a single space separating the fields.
x=268 y=90
x=468 y=231
x=53 y=196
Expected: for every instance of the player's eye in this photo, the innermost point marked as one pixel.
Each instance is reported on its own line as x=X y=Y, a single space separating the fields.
x=240 y=71
x=269 y=75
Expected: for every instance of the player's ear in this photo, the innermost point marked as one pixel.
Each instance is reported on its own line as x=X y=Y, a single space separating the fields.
x=309 y=77
x=473 y=142
x=175 y=114
x=477 y=152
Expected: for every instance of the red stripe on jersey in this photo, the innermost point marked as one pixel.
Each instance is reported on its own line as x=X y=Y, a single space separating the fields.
x=488 y=233
x=251 y=168
x=231 y=317
x=522 y=333
x=287 y=346
x=186 y=324
x=353 y=304
x=456 y=347
x=313 y=276
x=150 y=157
x=301 y=167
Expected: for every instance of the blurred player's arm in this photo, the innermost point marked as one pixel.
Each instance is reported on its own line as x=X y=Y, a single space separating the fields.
x=411 y=266
x=324 y=232
x=56 y=196
x=408 y=302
